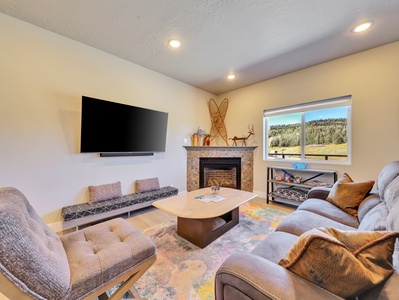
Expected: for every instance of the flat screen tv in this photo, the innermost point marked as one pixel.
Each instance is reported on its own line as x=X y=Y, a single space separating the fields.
x=112 y=129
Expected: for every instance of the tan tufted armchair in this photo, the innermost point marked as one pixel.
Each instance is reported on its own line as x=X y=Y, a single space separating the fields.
x=35 y=263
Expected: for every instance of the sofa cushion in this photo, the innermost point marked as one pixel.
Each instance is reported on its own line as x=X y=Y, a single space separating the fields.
x=324 y=256
x=347 y=194
x=301 y=221
x=391 y=194
x=387 y=174
x=375 y=219
x=275 y=246
x=367 y=204
x=105 y=191
x=147 y=185
x=329 y=210
x=393 y=218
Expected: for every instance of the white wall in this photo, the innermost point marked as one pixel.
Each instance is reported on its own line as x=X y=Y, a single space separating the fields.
x=42 y=79
x=371 y=77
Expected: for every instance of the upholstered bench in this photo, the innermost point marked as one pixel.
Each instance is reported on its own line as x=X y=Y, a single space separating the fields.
x=86 y=213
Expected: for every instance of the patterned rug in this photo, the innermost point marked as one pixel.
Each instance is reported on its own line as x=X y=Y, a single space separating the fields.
x=185 y=271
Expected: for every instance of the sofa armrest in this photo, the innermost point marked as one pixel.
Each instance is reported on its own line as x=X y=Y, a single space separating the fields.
x=319 y=192
x=246 y=275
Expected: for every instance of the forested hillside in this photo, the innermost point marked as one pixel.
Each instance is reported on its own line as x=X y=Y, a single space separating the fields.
x=328 y=131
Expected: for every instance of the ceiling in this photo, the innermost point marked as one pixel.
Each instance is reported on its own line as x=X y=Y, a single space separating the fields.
x=255 y=39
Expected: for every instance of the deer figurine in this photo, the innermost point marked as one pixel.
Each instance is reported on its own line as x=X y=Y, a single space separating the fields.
x=243 y=139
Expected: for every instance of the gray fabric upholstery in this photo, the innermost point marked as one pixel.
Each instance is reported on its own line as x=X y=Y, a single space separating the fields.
x=330 y=211
x=258 y=276
x=301 y=221
x=391 y=194
x=45 y=266
x=31 y=255
x=100 y=253
x=375 y=219
x=248 y=275
x=275 y=246
x=367 y=204
x=387 y=174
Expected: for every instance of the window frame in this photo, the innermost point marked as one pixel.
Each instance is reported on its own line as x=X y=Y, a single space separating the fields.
x=342 y=101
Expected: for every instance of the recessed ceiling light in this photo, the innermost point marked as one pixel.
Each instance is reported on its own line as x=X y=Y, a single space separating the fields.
x=231 y=76
x=174 y=43
x=362 y=27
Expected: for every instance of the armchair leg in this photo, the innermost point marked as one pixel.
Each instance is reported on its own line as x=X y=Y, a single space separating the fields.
x=127 y=286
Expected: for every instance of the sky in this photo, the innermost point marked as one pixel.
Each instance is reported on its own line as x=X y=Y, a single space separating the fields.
x=329 y=113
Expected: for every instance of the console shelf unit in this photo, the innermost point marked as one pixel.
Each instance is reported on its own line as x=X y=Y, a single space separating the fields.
x=323 y=178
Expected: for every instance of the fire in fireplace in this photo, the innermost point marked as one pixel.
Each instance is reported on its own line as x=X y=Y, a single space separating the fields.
x=226 y=171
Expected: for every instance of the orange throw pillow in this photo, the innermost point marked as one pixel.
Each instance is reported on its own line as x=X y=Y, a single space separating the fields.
x=346 y=263
x=348 y=195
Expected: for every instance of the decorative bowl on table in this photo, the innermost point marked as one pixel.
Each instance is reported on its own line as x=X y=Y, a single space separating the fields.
x=299 y=166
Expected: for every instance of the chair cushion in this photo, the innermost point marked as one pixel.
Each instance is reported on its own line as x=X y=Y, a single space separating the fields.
x=347 y=194
x=324 y=256
x=31 y=255
x=105 y=191
x=99 y=254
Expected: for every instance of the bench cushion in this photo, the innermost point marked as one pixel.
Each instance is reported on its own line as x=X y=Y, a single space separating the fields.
x=87 y=209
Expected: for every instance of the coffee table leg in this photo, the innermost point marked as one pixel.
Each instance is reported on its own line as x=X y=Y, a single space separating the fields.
x=201 y=232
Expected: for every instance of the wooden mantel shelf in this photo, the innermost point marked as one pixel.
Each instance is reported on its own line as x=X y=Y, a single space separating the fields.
x=220 y=147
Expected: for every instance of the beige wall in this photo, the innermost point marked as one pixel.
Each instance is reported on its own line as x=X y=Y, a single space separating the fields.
x=44 y=75
x=42 y=79
x=371 y=77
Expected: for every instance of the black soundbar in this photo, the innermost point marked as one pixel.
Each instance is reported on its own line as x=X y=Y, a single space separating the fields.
x=111 y=154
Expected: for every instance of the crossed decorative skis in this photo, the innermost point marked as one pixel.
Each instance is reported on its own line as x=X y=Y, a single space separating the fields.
x=218 y=113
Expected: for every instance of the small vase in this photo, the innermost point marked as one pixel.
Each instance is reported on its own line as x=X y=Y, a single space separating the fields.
x=215 y=189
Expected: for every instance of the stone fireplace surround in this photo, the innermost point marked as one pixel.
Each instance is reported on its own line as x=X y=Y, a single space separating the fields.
x=244 y=152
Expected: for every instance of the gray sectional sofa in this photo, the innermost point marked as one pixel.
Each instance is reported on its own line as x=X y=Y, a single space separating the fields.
x=257 y=275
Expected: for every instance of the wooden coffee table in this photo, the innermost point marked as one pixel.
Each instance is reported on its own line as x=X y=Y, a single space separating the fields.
x=203 y=222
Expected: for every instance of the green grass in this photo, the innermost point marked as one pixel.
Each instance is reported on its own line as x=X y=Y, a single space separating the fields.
x=315 y=149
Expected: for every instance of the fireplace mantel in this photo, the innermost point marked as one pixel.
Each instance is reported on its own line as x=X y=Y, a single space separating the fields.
x=194 y=153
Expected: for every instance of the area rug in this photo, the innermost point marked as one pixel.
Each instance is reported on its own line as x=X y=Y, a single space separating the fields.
x=185 y=271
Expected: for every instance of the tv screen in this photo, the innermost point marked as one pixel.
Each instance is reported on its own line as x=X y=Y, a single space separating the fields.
x=109 y=127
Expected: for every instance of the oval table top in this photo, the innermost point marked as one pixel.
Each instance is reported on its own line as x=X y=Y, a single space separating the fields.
x=196 y=204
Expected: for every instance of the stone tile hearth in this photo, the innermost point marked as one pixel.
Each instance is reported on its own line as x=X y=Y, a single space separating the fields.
x=195 y=153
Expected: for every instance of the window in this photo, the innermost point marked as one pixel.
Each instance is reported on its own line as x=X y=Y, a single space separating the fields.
x=314 y=131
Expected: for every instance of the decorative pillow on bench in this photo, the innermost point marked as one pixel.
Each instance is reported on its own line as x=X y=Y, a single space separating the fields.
x=332 y=259
x=147 y=185
x=105 y=191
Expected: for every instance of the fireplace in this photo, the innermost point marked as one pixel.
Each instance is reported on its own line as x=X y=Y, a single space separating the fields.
x=225 y=171
x=245 y=153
